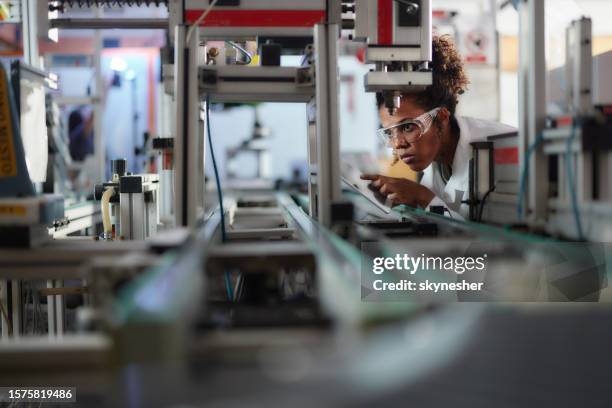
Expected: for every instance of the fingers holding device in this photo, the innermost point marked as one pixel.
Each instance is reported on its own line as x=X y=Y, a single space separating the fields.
x=399 y=191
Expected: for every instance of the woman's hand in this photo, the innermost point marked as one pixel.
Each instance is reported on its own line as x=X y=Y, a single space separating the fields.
x=400 y=191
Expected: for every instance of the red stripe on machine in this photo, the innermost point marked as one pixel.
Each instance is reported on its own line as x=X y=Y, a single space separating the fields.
x=258 y=18
x=565 y=121
x=439 y=14
x=506 y=155
x=385 y=22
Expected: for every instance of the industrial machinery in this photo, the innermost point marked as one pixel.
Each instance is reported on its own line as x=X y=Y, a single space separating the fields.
x=577 y=144
x=571 y=150
x=129 y=203
x=260 y=295
x=24 y=215
x=398 y=37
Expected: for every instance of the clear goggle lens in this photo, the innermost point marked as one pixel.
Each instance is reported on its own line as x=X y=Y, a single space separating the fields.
x=410 y=131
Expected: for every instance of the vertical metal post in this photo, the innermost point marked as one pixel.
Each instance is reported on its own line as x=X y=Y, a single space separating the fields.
x=328 y=128
x=98 y=104
x=17 y=304
x=59 y=310
x=201 y=156
x=579 y=95
x=187 y=137
x=532 y=104
x=311 y=177
x=493 y=9
x=30 y=33
x=4 y=306
x=579 y=67
x=180 y=198
x=166 y=128
x=133 y=216
x=51 y=310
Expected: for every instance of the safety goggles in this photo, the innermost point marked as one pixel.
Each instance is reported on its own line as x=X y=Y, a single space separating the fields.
x=410 y=130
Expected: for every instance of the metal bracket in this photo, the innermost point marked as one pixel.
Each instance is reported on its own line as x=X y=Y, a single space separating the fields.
x=48 y=79
x=305 y=77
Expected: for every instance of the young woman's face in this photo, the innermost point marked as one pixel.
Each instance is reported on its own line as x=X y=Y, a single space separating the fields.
x=421 y=153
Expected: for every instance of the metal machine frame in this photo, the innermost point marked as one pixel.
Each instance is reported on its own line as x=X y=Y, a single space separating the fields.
x=401 y=50
x=239 y=83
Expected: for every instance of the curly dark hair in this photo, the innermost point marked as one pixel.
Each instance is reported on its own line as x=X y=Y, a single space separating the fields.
x=449 y=78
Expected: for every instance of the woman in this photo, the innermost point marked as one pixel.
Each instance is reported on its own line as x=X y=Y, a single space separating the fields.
x=426 y=135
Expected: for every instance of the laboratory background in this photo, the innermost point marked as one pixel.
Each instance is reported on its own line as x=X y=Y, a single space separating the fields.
x=185 y=220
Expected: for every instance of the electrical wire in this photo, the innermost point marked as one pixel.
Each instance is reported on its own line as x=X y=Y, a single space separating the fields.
x=216 y=171
x=525 y=173
x=483 y=201
x=450 y=214
x=243 y=51
x=199 y=20
x=570 y=178
x=228 y=286
x=228 y=280
x=570 y=182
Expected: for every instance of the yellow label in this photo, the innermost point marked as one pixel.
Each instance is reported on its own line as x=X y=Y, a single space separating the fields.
x=17 y=210
x=5 y=13
x=8 y=163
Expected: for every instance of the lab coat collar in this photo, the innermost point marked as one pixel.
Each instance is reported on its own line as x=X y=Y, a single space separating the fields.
x=456 y=185
x=463 y=153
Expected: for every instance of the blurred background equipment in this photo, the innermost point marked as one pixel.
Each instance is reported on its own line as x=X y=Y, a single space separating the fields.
x=174 y=228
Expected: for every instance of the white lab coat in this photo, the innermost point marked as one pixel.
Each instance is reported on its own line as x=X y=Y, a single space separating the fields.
x=456 y=190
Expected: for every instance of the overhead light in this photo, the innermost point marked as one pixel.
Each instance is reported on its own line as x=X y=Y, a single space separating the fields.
x=118 y=64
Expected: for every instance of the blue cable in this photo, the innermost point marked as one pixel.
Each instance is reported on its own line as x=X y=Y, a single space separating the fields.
x=570 y=178
x=570 y=182
x=228 y=286
x=228 y=281
x=525 y=173
x=216 y=170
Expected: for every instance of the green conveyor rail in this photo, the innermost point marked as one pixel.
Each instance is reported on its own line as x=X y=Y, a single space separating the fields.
x=167 y=292
x=128 y=306
x=547 y=249
x=339 y=267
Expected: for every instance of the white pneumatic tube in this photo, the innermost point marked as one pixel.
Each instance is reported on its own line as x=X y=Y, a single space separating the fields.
x=106 y=220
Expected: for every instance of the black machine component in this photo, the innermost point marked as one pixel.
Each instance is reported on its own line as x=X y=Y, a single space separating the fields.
x=596 y=134
x=226 y=3
x=21 y=236
x=342 y=211
x=408 y=13
x=289 y=45
x=162 y=143
x=480 y=185
x=395 y=229
x=437 y=209
x=270 y=55
x=342 y=215
x=130 y=184
x=118 y=167
x=100 y=188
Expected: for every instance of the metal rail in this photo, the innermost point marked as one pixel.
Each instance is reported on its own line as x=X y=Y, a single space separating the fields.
x=110 y=23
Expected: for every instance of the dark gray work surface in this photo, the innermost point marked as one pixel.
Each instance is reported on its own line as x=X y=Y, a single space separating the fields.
x=515 y=357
